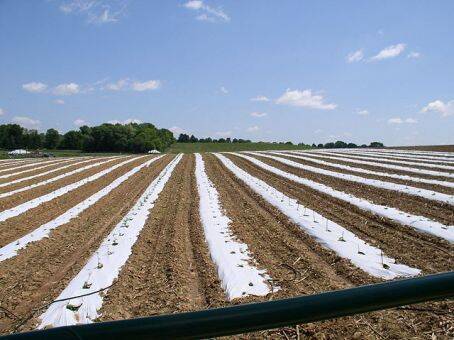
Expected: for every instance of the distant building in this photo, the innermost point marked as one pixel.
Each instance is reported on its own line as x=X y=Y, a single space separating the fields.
x=18 y=152
x=153 y=151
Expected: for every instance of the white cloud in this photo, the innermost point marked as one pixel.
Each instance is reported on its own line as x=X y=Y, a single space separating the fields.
x=355 y=56
x=446 y=109
x=126 y=121
x=304 y=98
x=27 y=122
x=176 y=130
x=118 y=85
x=146 y=85
x=224 y=90
x=223 y=133
x=398 y=120
x=206 y=12
x=2 y=112
x=362 y=112
x=258 y=114
x=80 y=122
x=96 y=11
x=66 y=89
x=59 y=101
x=389 y=52
x=260 y=99
x=413 y=55
x=34 y=87
x=254 y=128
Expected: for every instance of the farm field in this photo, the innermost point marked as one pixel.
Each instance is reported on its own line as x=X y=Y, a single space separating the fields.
x=86 y=239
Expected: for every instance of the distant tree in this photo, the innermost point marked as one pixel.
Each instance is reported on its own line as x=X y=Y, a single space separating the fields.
x=52 y=139
x=363 y=146
x=376 y=145
x=320 y=146
x=221 y=140
x=72 y=140
x=340 y=144
x=183 y=138
x=235 y=140
x=352 y=145
x=193 y=139
x=288 y=143
x=228 y=140
x=329 y=145
x=313 y=145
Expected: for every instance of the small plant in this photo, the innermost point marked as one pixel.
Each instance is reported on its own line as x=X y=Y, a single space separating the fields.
x=73 y=308
x=342 y=239
x=360 y=252
x=86 y=285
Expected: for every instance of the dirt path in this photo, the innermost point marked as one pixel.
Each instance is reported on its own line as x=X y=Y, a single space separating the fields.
x=434 y=187
x=42 y=270
x=437 y=211
x=19 y=198
x=170 y=269
x=18 y=226
x=298 y=263
x=41 y=178
x=405 y=244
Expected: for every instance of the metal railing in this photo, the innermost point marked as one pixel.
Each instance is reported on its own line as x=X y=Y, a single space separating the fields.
x=259 y=316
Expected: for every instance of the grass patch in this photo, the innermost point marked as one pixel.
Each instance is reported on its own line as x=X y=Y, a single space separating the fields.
x=220 y=147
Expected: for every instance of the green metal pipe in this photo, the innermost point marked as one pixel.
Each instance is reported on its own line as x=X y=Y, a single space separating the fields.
x=259 y=316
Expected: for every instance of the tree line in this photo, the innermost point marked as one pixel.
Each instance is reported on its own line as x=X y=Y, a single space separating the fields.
x=184 y=138
x=135 y=138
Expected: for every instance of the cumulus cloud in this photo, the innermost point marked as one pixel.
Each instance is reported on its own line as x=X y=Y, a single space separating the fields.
x=260 y=99
x=66 y=89
x=398 y=120
x=2 y=112
x=224 y=90
x=59 y=101
x=26 y=122
x=413 y=55
x=35 y=87
x=146 y=85
x=258 y=114
x=176 y=130
x=126 y=121
x=389 y=52
x=355 y=56
x=118 y=85
x=304 y=98
x=206 y=12
x=254 y=128
x=446 y=109
x=79 y=122
x=95 y=11
x=362 y=112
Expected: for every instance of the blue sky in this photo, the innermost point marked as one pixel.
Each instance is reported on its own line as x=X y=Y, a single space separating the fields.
x=310 y=71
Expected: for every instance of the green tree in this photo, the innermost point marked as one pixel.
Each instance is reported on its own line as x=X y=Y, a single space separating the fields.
x=52 y=139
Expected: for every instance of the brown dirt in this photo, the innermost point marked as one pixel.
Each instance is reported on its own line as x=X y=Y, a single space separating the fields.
x=442 y=148
x=417 y=166
x=170 y=269
x=41 y=178
x=18 y=226
x=377 y=168
x=423 y=251
x=19 y=198
x=29 y=167
x=42 y=270
x=300 y=265
x=438 y=211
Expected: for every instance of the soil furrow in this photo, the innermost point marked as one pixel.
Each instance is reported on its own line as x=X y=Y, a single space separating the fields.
x=40 y=178
x=42 y=270
x=21 y=197
x=20 y=225
x=438 y=211
x=170 y=269
x=298 y=263
x=433 y=187
x=405 y=244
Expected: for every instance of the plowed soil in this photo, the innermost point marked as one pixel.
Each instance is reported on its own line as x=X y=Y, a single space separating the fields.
x=301 y=266
x=438 y=211
x=170 y=269
x=39 y=273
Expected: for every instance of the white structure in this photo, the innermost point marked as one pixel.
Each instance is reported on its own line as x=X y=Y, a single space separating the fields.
x=18 y=152
x=153 y=151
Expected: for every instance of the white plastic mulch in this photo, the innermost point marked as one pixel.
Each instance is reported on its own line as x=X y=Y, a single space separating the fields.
x=104 y=266
x=329 y=234
x=419 y=223
x=424 y=193
x=234 y=263
x=10 y=250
